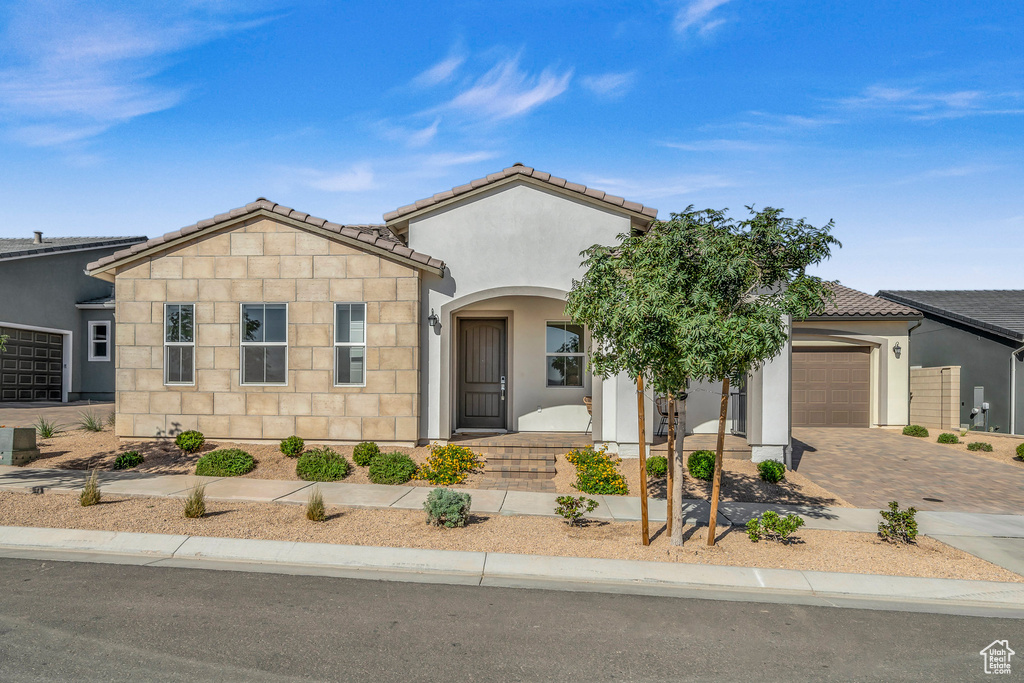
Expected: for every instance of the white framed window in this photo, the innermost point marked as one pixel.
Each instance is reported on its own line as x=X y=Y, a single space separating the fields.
x=350 y=345
x=99 y=340
x=264 y=342
x=179 y=344
x=564 y=350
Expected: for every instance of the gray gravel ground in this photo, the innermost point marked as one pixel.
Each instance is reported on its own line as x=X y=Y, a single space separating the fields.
x=71 y=621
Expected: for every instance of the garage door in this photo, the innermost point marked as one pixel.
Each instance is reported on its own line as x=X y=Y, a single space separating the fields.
x=32 y=367
x=831 y=388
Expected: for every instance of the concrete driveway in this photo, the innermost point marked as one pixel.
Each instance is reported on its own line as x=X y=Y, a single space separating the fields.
x=870 y=467
x=67 y=414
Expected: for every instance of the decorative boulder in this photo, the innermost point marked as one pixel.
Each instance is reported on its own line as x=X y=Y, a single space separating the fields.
x=17 y=445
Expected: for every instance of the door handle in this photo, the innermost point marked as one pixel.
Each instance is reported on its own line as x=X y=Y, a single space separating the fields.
x=503 y=387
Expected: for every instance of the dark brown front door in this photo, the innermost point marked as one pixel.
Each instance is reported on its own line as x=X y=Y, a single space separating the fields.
x=831 y=388
x=483 y=370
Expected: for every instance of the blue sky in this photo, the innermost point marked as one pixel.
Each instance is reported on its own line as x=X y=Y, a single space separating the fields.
x=902 y=121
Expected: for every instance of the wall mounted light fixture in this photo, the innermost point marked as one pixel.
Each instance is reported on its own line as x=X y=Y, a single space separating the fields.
x=432 y=319
x=896 y=350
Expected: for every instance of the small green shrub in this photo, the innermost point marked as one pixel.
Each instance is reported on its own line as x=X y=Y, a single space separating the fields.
x=657 y=466
x=773 y=528
x=898 y=526
x=126 y=461
x=571 y=508
x=292 y=446
x=980 y=446
x=195 y=502
x=597 y=472
x=364 y=453
x=321 y=464
x=771 y=471
x=449 y=464
x=89 y=422
x=46 y=429
x=701 y=465
x=226 y=462
x=392 y=468
x=190 y=441
x=90 y=494
x=448 y=508
x=915 y=430
x=1020 y=451
x=946 y=437
x=315 y=510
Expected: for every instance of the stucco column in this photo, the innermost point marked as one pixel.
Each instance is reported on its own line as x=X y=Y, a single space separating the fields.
x=768 y=409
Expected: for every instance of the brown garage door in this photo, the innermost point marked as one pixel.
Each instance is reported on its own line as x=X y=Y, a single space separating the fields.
x=831 y=388
x=32 y=367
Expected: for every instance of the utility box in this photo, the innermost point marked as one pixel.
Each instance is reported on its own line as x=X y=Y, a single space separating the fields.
x=17 y=445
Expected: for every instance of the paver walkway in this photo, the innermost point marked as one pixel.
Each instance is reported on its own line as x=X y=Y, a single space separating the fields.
x=68 y=414
x=870 y=467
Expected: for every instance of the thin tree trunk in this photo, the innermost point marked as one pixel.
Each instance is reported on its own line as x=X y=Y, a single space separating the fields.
x=677 y=483
x=670 y=460
x=642 y=442
x=715 y=489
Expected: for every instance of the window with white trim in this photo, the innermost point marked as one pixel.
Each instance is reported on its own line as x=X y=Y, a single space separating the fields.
x=350 y=344
x=99 y=340
x=264 y=338
x=565 y=361
x=179 y=344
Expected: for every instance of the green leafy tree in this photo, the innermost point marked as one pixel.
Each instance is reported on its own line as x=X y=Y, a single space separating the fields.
x=700 y=297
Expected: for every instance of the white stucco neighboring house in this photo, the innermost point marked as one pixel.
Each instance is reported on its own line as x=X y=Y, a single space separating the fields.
x=447 y=318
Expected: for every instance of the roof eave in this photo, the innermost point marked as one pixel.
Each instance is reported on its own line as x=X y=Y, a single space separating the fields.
x=1012 y=335
x=848 y=316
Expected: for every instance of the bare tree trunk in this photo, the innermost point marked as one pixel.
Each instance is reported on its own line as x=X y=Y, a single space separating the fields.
x=670 y=459
x=642 y=442
x=676 y=492
x=715 y=489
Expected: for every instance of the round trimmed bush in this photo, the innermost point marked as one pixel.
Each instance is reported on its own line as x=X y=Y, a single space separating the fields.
x=190 y=441
x=701 y=465
x=1020 y=451
x=292 y=446
x=226 y=462
x=126 y=461
x=915 y=430
x=657 y=466
x=321 y=464
x=946 y=437
x=979 y=446
x=364 y=453
x=771 y=471
x=392 y=468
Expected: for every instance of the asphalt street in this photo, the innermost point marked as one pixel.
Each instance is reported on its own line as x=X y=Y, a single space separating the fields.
x=78 y=621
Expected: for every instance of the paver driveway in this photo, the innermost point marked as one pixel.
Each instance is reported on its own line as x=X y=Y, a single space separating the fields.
x=870 y=467
x=66 y=414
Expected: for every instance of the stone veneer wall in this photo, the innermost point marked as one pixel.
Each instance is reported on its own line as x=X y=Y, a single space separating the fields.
x=267 y=261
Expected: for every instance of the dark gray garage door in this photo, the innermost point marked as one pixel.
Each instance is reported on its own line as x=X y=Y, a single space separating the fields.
x=831 y=388
x=32 y=367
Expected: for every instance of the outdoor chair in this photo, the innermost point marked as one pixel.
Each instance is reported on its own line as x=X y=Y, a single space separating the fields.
x=588 y=401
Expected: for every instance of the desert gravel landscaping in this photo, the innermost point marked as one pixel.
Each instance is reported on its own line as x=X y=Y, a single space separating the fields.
x=1004 y=448
x=81 y=450
x=816 y=550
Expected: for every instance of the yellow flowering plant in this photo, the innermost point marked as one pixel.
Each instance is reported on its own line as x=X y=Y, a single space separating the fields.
x=449 y=464
x=597 y=472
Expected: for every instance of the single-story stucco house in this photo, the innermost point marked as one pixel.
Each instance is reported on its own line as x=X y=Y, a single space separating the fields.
x=265 y=322
x=59 y=322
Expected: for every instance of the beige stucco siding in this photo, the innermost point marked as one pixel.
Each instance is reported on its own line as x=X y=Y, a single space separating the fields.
x=264 y=260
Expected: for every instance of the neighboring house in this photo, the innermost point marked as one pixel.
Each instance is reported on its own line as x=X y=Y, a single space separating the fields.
x=982 y=332
x=59 y=321
x=265 y=321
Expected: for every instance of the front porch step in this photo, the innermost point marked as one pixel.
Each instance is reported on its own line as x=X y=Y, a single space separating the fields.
x=521 y=458
x=522 y=472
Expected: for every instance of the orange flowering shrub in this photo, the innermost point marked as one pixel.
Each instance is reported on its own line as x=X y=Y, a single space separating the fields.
x=597 y=472
x=449 y=465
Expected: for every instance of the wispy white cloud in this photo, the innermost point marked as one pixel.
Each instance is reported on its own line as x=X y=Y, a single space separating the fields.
x=695 y=16
x=440 y=72
x=720 y=145
x=71 y=72
x=450 y=159
x=921 y=104
x=357 y=178
x=507 y=91
x=660 y=187
x=610 y=84
x=407 y=135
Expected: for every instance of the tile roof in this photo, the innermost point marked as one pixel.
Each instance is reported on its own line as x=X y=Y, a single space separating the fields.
x=520 y=170
x=379 y=236
x=17 y=247
x=851 y=303
x=1000 y=311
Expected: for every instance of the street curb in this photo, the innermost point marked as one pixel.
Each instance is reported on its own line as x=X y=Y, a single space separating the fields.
x=864 y=591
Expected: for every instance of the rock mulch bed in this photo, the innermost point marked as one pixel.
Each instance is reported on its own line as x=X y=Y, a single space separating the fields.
x=816 y=550
x=1004 y=448
x=81 y=450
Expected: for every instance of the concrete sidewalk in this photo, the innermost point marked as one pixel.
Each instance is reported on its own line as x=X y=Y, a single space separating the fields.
x=948 y=596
